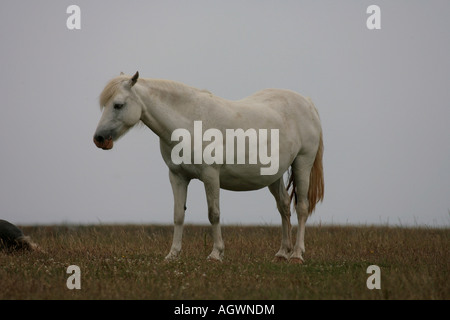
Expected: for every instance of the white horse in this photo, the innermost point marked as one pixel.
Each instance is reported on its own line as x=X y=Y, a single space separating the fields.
x=165 y=106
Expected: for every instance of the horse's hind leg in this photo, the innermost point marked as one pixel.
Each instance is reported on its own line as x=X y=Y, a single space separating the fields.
x=278 y=190
x=301 y=169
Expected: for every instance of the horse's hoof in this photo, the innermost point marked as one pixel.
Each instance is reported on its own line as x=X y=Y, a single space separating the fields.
x=296 y=260
x=171 y=257
x=214 y=258
x=279 y=259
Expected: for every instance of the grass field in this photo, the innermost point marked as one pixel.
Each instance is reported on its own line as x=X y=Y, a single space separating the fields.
x=127 y=262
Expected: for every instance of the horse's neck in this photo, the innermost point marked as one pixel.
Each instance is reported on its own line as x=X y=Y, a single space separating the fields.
x=167 y=105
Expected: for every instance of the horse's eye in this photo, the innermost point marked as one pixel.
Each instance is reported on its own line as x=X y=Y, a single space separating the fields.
x=118 y=106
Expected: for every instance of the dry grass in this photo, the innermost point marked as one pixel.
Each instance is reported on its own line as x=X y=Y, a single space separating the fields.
x=126 y=262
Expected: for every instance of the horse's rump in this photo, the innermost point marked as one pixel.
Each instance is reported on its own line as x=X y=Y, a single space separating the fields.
x=316 y=182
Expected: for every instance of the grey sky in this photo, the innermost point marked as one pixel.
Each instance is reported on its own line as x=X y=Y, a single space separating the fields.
x=383 y=97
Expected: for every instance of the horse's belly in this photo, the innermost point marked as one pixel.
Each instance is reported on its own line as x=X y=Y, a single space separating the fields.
x=246 y=178
x=239 y=184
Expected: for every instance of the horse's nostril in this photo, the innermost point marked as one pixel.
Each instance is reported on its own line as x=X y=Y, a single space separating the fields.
x=99 y=138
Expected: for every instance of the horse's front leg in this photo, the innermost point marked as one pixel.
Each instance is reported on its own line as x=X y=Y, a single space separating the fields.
x=211 y=181
x=179 y=188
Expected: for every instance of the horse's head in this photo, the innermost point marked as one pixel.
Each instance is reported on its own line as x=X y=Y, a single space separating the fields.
x=122 y=109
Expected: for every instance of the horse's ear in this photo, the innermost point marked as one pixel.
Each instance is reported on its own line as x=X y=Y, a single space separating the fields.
x=134 y=79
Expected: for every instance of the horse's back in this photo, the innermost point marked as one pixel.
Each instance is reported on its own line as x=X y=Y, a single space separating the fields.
x=282 y=101
x=285 y=109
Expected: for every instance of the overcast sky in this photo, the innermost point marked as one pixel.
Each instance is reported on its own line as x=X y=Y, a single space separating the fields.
x=383 y=97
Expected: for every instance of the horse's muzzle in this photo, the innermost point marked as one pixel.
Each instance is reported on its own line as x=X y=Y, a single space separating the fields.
x=103 y=143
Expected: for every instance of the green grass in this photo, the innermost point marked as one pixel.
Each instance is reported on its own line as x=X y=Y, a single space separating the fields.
x=127 y=262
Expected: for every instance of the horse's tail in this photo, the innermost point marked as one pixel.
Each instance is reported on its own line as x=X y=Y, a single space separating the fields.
x=316 y=182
